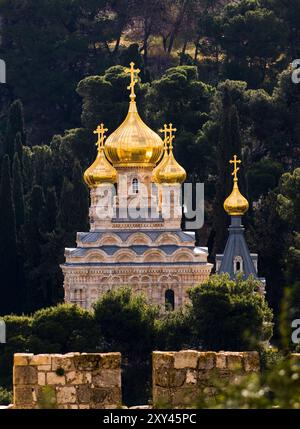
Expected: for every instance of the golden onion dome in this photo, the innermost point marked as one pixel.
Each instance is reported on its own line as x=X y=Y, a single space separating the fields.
x=133 y=144
x=162 y=162
x=236 y=204
x=101 y=171
x=170 y=172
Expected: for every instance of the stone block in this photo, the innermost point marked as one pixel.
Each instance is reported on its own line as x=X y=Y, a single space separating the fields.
x=83 y=406
x=107 y=378
x=25 y=375
x=44 y=368
x=41 y=360
x=41 y=378
x=102 y=396
x=78 y=377
x=23 y=396
x=221 y=361
x=62 y=361
x=22 y=359
x=84 y=394
x=186 y=359
x=177 y=377
x=163 y=365
x=87 y=362
x=207 y=360
x=191 y=377
x=110 y=360
x=66 y=395
x=234 y=361
x=251 y=362
x=163 y=359
x=53 y=378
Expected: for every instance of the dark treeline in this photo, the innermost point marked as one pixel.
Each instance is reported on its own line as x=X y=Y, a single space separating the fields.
x=218 y=70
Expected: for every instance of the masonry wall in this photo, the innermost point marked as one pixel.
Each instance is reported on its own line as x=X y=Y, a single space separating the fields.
x=73 y=380
x=180 y=377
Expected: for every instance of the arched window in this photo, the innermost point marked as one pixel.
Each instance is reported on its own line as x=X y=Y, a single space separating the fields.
x=169 y=300
x=237 y=264
x=135 y=186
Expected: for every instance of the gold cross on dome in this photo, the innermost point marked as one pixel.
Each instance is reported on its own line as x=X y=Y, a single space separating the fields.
x=171 y=130
x=165 y=131
x=235 y=162
x=133 y=79
x=100 y=131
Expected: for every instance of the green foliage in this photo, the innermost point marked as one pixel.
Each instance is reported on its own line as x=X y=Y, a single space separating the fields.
x=126 y=321
x=268 y=236
x=6 y=396
x=47 y=398
x=18 y=192
x=261 y=37
x=230 y=314
x=9 y=269
x=62 y=329
x=279 y=387
x=289 y=210
x=173 y=330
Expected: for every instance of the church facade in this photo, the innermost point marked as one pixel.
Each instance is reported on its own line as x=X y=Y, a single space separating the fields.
x=135 y=236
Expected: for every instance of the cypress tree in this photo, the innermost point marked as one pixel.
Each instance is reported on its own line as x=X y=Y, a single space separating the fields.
x=15 y=125
x=10 y=294
x=229 y=144
x=18 y=192
x=80 y=199
x=33 y=240
x=65 y=213
x=49 y=213
x=18 y=148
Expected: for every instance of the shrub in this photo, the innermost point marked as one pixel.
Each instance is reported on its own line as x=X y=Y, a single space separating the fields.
x=5 y=396
x=63 y=329
x=230 y=314
x=126 y=321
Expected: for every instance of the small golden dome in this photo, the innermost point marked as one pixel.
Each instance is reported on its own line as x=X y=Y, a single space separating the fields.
x=236 y=204
x=101 y=171
x=169 y=171
x=133 y=144
x=162 y=162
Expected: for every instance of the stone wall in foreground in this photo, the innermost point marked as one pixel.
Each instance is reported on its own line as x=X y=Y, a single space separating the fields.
x=73 y=380
x=180 y=377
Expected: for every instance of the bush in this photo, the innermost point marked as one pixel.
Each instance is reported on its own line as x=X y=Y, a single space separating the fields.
x=63 y=329
x=5 y=396
x=126 y=321
x=173 y=330
x=230 y=314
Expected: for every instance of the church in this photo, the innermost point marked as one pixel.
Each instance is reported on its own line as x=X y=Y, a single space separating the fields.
x=135 y=236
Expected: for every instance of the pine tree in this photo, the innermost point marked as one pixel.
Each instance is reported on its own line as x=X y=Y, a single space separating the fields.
x=15 y=125
x=18 y=193
x=10 y=293
x=229 y=144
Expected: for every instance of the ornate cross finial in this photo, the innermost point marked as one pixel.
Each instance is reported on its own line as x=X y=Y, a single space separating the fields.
x=171 y=130
x=235 y=162
x=165 y=131
x=133 y=79
x=100 y=131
